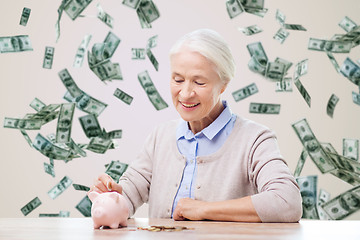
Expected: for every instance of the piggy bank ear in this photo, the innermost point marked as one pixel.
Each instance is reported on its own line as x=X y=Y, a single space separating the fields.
x=115 y=196
x=92 y=195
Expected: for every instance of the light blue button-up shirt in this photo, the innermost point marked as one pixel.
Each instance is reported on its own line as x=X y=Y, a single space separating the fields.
x=206 y=142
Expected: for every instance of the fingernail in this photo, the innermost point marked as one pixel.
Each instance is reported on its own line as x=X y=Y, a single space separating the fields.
x=109 y=185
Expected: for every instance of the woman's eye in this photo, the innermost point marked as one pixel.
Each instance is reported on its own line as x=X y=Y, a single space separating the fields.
x=178 y=80
x=200 y=83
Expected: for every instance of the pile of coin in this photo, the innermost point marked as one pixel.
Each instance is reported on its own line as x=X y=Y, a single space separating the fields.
x=165 y=228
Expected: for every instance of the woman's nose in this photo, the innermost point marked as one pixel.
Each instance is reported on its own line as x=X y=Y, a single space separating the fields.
x=186 y=91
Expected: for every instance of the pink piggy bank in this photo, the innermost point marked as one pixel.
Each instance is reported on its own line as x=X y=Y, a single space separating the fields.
x=108 y=209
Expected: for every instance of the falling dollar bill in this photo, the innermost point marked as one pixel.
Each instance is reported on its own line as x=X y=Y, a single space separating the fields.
x=90 y=125
x=149 y=9
x=287 y=63
x=356 y=98
x=301 y=68
x=351 y=148
x=79 y=187
x=344 y=204
x=256 y=11
x=60 y=214
x=113 y=41
x=49 y=149
x=333 y=61
x=152 y=42
x=19 y=43
x=329 y=45
x=280 y=17
x=116 y=169
x=126 y=98
x=284 y=85
x=323 y=197
x=59 y=188
x=26 y=136
x=63 y=129
x=142 y=19
x=26 y=124
x=112 y=134
x=80 y=54
x=264 y=108
x=308 y=191
x=255 y=66
x=137 y=53
x=275 y=71
x=99 y=145
x=152 y=93
x=152 y=58
x=351 y=71
x=313 y=147
x=37 y=104
x=69 y=83
x=234 y=8
x=49 y=169
x=132 y=3
x=28 y=208
x=303 y=92
x=74 y=8
x=84 y=207
x=256 y=50
x=250 y=30
x=296 y=27
x=331 y=105
x=86 y=103
x=48 y=57
x=281 y=35
x=105 y=17
x=347 y=24
x=301 y=162
x=245 y=92
x=25 y=16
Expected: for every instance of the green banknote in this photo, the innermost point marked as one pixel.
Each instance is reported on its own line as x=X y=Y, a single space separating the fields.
x=308 y=190
x=245 y=92
x=105 y=17
x=59 y=188
x=28 y=208
x=351 y=148
x=25 y=16
x=264 y=108
x=48 y=57
x=331 y=105
x=116 y=169
x=126 y=98
x=74 y=8
x=49 y=169
x=79 y=187
x=90 y=125
x=64 y=124
x=19 y=43
x=84 y=207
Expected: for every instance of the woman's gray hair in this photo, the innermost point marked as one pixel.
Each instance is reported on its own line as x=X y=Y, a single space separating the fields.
x=211 y=45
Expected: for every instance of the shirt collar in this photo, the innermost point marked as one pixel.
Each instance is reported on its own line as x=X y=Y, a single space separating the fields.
x=210 y=131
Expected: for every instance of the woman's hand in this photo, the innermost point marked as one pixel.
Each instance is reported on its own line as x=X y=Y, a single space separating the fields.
x=188 y=208
x=104 y=183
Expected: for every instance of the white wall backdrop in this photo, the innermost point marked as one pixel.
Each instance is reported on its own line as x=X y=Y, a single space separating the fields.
x=23 y=78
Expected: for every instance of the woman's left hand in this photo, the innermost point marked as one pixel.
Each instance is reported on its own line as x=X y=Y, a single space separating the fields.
x=188 y=208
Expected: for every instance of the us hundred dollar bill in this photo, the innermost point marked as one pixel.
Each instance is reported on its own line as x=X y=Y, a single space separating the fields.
x=79 y=187
x=80 y=54
x=281 y=35
x=28 y=208
x=69 y=83
x=296 y=27
x=313 y=147
x=37 y=104
x=347 y=24
x=301 y=68
x=308 y=191
x=49 y=169
x=149 y=10
x=275 y=71
x=126 y=98
x=49 y=149
x=301 y=162
x=152 y=93
x=351 y=148
x=152 y=42
x=264 y=108
x=234 y=8
x=84 y=207
x=329 y=45
x=152 y=58
x=285 y=85
x=116 y=169
x=25 y=16
x=137 y=53
x=99 y=145
x=331 y=105
x=25 y=124
x=251 y=30
x=132 y=3
x=280 y=17
x=59 y=188
x=105 y=17
x=245 y=92
x=344 y=204
x=74 y=8
x=48 y=57
x=19 y=43
x=351 y=71
x=256 y=50
x=323 y=197
x=64 y=125
x=90 y=125
x=356 y=98
x=303 y=92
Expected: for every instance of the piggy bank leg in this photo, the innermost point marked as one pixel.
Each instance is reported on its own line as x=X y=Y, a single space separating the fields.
x=114 y=225
x=97 y=226
x=123 y=223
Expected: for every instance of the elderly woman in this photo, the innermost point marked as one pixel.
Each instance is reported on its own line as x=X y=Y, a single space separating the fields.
x=211 y=164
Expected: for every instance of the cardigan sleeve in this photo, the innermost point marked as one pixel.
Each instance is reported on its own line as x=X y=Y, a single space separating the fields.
x=137 y=178
x=278 y=198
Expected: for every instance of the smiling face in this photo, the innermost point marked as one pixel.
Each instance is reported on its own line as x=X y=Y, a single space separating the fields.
x=195 y=87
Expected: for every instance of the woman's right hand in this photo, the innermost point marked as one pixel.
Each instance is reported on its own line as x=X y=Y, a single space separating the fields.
x=104 y=183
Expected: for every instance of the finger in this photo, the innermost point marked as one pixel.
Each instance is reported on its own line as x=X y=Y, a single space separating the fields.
x=100 y=186
x=112 y=186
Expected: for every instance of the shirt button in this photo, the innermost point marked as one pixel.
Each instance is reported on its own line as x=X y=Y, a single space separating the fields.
x=198 y=187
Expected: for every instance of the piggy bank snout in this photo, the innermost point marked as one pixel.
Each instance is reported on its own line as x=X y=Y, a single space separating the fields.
x=98 y=212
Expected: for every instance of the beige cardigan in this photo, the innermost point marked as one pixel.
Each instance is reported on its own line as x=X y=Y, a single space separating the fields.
x=249 y=163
